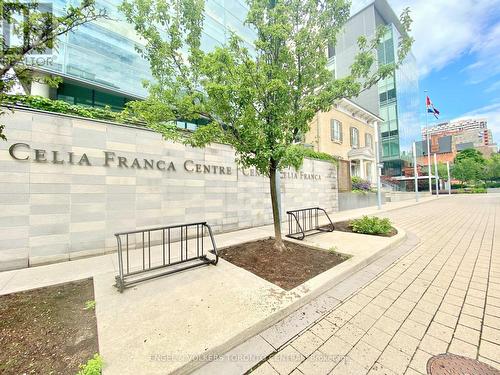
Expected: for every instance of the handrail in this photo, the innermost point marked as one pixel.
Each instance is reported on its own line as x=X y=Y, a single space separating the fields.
x=310 y=222
x=155 y=254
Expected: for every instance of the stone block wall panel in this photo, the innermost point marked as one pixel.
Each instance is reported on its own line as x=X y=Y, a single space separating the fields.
x=65 y=205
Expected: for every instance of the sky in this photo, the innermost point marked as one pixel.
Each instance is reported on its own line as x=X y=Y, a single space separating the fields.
x=457 y=47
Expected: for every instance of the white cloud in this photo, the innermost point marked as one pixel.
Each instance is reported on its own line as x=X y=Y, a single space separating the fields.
x=487 y=53
x=445 y=30
x=493 y=87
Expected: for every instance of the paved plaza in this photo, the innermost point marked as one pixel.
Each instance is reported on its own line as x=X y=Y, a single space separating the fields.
x=443 y=295
x=437 y=291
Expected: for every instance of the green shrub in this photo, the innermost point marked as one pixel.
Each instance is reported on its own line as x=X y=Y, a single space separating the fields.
x=295 y=155
x=333 y=249
x=89 y=305
x=478 y=190
x=92 y=367
x=60 y=106
x=310 y=153
x=472 y=190
x=360 y=185
x=493 y=184
x=371 y=225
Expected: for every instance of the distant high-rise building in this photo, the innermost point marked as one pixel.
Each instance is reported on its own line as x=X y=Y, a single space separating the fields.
x=448 y=138
x=471 y=132
x=395 y=99
x=466 y=130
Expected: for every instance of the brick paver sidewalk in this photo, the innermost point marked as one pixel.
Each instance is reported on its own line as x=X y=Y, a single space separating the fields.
x=442 y=296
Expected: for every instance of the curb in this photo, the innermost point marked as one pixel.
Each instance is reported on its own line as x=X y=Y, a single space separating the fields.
x=268 y=323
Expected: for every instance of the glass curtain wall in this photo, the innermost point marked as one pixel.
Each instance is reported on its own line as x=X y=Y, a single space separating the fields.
x=103 y=54
x=388 y=101
x=398 y=96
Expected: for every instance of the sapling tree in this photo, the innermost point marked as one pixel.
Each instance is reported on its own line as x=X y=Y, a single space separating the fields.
x=258 y=98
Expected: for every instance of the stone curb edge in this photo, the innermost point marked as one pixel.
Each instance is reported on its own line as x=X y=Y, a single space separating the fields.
x=266 y=324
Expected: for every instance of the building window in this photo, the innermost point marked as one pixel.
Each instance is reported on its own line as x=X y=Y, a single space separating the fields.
x=395 y=147
x=368 y=140
x=336 y=131
x=331 y=50
x=385 y=150
x=354 y=137
x=354 y=168
x=75 y=94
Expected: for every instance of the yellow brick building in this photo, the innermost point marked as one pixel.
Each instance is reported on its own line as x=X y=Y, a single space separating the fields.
x=348 y=132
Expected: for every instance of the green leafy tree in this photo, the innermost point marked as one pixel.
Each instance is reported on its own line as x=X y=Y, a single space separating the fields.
x=468 y=170
x=38 y=29
x=493 y=168
x=470 y=153
x=442 y=171
x=261 y=98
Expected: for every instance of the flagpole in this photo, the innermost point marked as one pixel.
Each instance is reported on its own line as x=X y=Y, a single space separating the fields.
x=436 y=175
x=428 y=143
x=449 y=178
x=415 y=170
x=377 y=161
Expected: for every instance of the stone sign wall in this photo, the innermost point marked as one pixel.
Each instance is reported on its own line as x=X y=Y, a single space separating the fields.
x=68 y=184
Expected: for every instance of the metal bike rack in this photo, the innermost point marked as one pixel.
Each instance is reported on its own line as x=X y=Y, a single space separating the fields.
x=304 y=222
x=149 y=253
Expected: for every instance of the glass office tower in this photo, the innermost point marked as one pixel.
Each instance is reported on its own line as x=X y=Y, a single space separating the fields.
x=398 y=101
x=99 y=61
x=395 y=99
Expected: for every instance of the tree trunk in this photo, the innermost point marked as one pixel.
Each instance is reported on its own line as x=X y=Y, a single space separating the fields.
x=278 y=240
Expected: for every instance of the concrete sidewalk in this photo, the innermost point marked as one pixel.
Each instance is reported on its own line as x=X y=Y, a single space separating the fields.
x=176 y=323
x=442 y=296
x=35 y=277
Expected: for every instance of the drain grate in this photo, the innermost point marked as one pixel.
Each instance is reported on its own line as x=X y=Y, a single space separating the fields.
x=451 y=364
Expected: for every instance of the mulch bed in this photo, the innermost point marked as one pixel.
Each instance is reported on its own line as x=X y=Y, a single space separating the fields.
x=47 y=330
x=287 y=269
x=345 y=226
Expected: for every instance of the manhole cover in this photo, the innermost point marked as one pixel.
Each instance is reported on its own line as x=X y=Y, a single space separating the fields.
x=451 y=364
